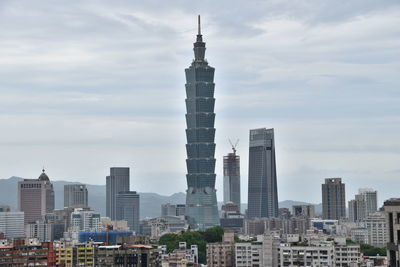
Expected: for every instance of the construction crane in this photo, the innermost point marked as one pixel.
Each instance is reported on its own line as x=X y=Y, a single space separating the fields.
x=234 y=145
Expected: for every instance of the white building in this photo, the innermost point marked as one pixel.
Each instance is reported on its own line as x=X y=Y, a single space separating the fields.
x=359 y=235
x=86 y=220
x=322 y=255
x=40 y=230
x=376 y=226
x=12 y=224
x=263 y=252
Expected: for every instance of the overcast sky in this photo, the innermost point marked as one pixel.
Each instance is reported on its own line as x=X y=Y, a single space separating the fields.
x=86 y=85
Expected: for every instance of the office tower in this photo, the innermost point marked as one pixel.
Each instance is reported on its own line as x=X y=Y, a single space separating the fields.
x=333 y=199
x=371 y=200
x=201 y=197
x=35 y=197
x=75 y=195
x=303 y=210
x=357 y=208
x=232 y=178
x=12 y=224
x=168 y=210
x=180 y=209
x=392 y=214
x=86 y=220
x=263 y=195
x=117 y=181
x=128 y=209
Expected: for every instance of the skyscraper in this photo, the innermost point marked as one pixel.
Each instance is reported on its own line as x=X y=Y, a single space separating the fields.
x=75 y=195
x=263 y=192
x=117 y=181
x=201 y=198
x=333 y=199
x=364 y=204
x=370 y=197
x=128 y=209
x=35 y=197
x=232 y=178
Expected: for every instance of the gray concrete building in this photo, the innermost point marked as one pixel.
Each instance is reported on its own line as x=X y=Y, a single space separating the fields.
x=168 y=209
x=75 y=195
x=232 y=178
x=263 y=193
x=35 y=198
x=303 y=210
x=128 y=209
x=392 y=215
x=333 y=199
x=117 y=181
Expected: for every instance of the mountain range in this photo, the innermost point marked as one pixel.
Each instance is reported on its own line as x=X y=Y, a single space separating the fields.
x=150 y=203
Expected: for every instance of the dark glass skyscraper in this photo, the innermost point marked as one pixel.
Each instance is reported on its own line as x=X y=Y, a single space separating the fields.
x=263 y=193
x=201 y=198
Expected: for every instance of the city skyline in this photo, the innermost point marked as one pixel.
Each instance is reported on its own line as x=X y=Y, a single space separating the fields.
x=67 y=101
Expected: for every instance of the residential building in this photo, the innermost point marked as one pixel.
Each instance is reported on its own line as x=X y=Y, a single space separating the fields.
x=232 y=178
x=371 y=200
x=35 y=197
x=262 y=187
x=392 y=215
x=303 y=210
x=231 y=218
x=75 y=195
x=263 y=252
x=222 y=254
x=333 y=199
x=117 y=181
x=12 y=224
x=259 y=226
x=127 y=255
x=180 y=257
x=359 y=235
x=321 y=255
x=201 y=197
x=357 y=211
x=128 y=205
x=27 y=252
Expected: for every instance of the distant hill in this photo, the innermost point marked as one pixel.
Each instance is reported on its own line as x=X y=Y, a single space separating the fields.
x=150 y=203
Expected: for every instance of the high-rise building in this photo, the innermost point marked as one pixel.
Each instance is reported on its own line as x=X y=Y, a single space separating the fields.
x=232 y=178
x=35 y=197
x=201 y=197
x=333 y=199
x=370 y=197
x=117 y=181
x=392 y=214
x=75 y=195
x=263 y=192
x=86 y=220
x=168 y=209
x=12 y=224
x=363 y=204
x=128 y=209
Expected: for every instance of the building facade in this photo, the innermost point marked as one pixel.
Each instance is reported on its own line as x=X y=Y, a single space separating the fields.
x=232 y=178
x=84 y=220
x=201 y=198
x=392 y=215
x=75 y=195
x=263 y=194
x=35 y=197
x=222 y=254
x=117 y=181
x=128 y=209
x=333 y=199
x=12 y=224
x=376 y=226
x=303 y=210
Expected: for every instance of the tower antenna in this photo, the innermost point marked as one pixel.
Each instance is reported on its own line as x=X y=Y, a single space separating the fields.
x=198 y=25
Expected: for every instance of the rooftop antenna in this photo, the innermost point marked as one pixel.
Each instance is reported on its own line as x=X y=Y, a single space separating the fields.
x=234 y=145
x=198 y=26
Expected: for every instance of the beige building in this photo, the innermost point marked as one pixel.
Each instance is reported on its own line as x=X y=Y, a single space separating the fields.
x=35 y=198
x=222 y=254
x=392 y=214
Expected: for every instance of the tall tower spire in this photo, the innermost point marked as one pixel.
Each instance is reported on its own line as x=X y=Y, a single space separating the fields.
x=198 y=25
x=201 y=198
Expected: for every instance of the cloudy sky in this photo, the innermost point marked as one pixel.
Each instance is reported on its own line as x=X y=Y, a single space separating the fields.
x=86 y=85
